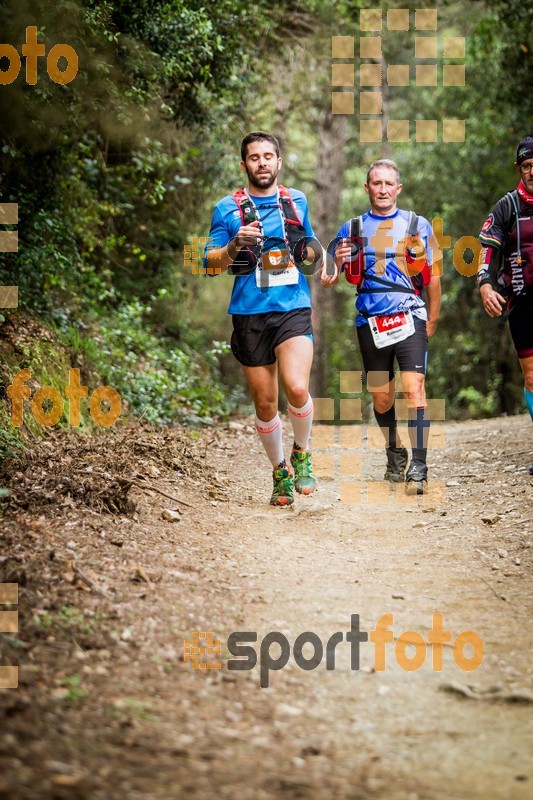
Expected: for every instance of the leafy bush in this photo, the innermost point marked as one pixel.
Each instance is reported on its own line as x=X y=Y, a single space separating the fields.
x=156 y=380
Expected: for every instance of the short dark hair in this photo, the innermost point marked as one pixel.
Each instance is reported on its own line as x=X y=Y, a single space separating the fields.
x=258 y=136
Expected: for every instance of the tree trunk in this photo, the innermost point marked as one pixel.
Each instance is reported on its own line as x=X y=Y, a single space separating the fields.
x=385 y=145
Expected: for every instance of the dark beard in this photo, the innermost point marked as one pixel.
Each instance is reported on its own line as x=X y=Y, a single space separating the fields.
x=260 y=184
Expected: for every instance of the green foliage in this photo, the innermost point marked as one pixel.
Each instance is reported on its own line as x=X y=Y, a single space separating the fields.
x=112 y=176
x=10 y=442
x=155 y=379
x=68 y=617
x=49 y=366
x=75 y=689
x=120 y=168
x=472 y=363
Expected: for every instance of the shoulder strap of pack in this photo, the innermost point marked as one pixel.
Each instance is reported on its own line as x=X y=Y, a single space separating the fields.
x=512 y=210
x=412 y=224
x=288 y=207
x=356 y=227
x=238 y=195
x=513 y=197
x=244 y=204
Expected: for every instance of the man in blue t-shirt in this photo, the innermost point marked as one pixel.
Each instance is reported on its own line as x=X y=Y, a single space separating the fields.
x=262 y=234
x=392 y=319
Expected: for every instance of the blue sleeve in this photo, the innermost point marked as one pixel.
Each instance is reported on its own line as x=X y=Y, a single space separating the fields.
x=305 y=222
x=344 y=231
x=219 y=233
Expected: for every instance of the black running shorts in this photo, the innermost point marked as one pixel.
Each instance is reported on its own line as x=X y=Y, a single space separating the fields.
x=410 y=353
x=256 y=336
x=521 y=324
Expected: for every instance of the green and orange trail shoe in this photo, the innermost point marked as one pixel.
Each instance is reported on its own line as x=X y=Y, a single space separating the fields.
x=283 y=494
x=304 y=480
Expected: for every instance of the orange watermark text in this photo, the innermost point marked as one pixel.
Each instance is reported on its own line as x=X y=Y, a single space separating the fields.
x=51 y=397
x=32 y=50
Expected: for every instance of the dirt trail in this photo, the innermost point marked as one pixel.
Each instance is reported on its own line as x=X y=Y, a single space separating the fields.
x=106 y=706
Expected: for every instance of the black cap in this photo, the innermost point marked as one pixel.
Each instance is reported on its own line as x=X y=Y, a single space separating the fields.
x=524 y=149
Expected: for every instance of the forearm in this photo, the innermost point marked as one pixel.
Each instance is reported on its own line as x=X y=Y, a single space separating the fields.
x=489 y=261
x=434 y=298
x=220 y=259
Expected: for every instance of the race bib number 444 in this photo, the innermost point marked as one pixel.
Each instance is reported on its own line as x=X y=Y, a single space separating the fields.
x=390 y=328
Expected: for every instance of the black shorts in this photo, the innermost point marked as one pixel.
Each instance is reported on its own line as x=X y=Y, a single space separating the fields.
x=521 y=324
x=410 y=353
x=256 y=336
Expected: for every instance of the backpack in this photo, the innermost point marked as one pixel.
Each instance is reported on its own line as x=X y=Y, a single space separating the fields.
x=247 y=258
x=512 y=213
x=355 y=272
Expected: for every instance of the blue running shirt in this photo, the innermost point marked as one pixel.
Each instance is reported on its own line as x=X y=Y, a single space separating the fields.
x=380 y=252
x=247 y=297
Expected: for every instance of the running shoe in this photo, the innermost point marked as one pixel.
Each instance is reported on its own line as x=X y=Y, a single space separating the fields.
x=283 y=494
x=396 y=464
x=416 y=480
x=304 y=480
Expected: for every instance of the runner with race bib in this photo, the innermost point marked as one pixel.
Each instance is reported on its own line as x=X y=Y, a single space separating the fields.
x=261 y=234
x=388 y=255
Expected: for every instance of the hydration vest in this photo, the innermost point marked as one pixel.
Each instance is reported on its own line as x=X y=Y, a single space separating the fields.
x=247 y=258
x=355 y=268
x=512 y=215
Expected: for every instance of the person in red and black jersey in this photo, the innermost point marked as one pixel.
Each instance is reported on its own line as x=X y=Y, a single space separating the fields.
x=505 y=277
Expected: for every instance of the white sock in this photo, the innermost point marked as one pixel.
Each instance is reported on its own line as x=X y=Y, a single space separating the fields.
x=270 y=434
x=302 y=422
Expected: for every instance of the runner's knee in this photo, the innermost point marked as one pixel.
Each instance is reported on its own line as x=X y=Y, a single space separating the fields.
x=414 y=391
x=382 y=402
x=416 y=398
x=297 y=393
x=528 y=377
x=266 y=408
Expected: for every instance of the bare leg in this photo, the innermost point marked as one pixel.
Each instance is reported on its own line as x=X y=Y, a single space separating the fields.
x=295 y=357
x=263 y=383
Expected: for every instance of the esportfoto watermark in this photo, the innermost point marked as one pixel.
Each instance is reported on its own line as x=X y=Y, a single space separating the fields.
x=382 y=242
x=17 y=391
x=437 y=61
x=31 y=50
x=239 y=645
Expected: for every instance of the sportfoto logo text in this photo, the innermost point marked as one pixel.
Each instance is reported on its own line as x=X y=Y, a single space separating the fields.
x=238 y=644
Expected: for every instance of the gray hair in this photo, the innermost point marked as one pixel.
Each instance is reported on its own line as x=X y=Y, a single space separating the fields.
x=383 y=162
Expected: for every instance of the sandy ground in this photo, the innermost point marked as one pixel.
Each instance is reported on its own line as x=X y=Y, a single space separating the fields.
x=108 y=708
